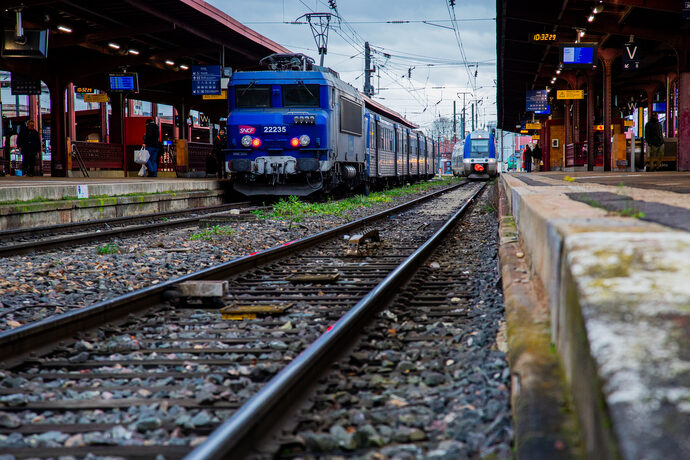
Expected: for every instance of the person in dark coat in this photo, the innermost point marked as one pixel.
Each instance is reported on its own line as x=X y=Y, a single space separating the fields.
x=536 y=157
x=654 y=137
x=220 y=143
x=29 y=143
x=152 y=143
x=527 y=158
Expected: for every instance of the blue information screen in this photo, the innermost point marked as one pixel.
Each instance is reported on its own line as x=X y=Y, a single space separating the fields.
x=537 y=101
x=578 y=55
x=206 y=80
x=123 y=83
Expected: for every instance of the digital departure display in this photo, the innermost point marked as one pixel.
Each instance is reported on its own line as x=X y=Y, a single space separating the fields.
x=658 y=107
x=579 y=55
x=123 y=82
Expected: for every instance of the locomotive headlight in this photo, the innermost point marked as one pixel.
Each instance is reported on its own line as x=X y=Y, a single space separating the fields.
x=294 y=142
x=492 y=160
x=246 y=141
x=304 y=140
x=466 y=160
x=256 y=142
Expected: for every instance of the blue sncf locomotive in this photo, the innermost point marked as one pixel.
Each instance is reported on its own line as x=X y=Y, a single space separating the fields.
x=475 y=157
x=297 y=129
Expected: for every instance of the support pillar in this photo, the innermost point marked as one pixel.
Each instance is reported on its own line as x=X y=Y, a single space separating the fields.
x=35 y=116
x=567 y=124
x=576 y=122
x=33 y=110
x=130 y=107
x=71 y=117
x=684 y=121
x=607 y=56
x=103 y=111
x=176 y=126
x=590 y=123
x=58 y=134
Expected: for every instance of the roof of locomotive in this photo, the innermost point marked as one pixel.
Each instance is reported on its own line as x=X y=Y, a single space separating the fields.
x=319 y=75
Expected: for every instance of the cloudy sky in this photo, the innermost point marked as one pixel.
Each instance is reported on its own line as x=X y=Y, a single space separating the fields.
x=432 y=53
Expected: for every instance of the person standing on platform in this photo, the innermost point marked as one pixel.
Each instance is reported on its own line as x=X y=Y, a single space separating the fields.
x=152 y=144
x=527 y=158
x=29 y=143
x=654 y=137
x=536 y=157
x=220 y=143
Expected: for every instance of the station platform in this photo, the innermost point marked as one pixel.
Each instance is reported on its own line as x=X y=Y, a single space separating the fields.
x=607 y=256
x=37 y=201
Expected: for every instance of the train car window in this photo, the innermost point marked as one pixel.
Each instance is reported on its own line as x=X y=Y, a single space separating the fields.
x=350 y=117
x=479 y=148
x=252 y=96
x=301 y=95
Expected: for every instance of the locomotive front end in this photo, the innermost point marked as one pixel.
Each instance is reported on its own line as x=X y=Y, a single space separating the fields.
x=277 y=132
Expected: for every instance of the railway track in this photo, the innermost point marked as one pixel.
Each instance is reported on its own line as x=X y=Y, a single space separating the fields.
x=26 y=240
x=142 y=376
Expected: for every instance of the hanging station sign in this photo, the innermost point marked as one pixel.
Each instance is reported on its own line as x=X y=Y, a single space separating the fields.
x=537 y=101
x=533 y=126
x=102 y=97
x=630 y=57
x=570 y=94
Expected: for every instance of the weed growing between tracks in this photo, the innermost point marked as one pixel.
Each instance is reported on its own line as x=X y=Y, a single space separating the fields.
x=295 y=210
x=209 y=233
x=109 y=248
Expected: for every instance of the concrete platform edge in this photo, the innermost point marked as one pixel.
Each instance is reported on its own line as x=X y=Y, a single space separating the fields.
x=545 y=425
x=35 y=214
x=618 y=298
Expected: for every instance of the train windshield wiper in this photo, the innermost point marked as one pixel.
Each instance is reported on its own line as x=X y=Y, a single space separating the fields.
x=247 y=88
x=301 y=83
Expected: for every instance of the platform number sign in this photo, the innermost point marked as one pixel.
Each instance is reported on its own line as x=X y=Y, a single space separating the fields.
x=631 y=56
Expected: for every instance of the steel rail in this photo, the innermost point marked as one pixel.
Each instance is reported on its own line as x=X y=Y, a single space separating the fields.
x=17 y=343
x=72 y=240
x=236 y=436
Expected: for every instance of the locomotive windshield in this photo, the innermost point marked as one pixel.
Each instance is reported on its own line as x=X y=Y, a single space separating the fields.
x=479 y=148
x=253 y=96
x=301 y=95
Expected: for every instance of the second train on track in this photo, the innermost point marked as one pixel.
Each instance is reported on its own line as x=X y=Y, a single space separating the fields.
x=298 y=129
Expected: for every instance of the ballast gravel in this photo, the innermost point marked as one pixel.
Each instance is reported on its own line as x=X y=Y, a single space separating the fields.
x=39 y=285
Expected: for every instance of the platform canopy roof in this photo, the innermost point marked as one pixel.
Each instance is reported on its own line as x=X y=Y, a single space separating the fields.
x=656 y=26
x=156 y=38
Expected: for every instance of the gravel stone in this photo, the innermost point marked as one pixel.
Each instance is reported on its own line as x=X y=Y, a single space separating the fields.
x=8 y=420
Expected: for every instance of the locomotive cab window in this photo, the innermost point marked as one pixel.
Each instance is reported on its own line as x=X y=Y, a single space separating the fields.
x=301 y=95
x=479 y=148
x=256 y=96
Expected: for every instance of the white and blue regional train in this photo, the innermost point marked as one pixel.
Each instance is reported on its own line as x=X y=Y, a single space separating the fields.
x=475 y=156
x=297 y=129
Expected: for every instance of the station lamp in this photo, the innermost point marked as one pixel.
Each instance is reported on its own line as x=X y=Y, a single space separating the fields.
x=65 y=29
x=169 y=62
x=114 y=46
x=133 y=51
x=184 y=67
